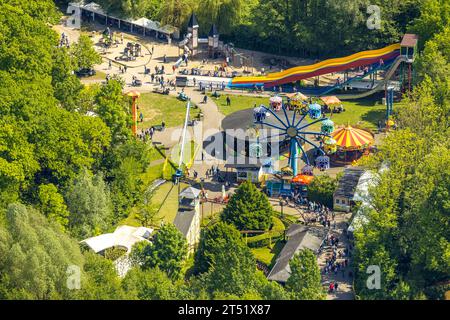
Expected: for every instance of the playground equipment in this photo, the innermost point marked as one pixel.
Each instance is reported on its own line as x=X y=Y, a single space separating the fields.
x=296 y=131
x=297 y=100
x=291 y=75
x=387 y=59
x=135 y=96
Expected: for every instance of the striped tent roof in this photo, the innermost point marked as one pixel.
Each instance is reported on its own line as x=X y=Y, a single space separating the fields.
x=352 y=138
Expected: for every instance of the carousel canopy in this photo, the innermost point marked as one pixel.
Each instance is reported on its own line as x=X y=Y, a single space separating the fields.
x=298 y=96
x=303 y=179
x=352 y=138
x=331 y=100
x=276 y=99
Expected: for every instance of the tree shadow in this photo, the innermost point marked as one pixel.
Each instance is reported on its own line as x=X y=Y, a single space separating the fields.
x=373 y=116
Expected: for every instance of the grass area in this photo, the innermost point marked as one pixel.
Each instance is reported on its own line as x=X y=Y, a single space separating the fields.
x=157 y=108
x=166 y=196
x=238 y=102
x=278 y=228
x=364 y=112
x=152 y=173
x=264 y=255
x=268 y=255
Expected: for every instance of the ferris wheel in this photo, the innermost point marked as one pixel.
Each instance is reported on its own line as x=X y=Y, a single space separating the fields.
x=296 y=132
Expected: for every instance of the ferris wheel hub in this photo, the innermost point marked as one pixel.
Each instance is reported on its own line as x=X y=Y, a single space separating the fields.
x=291 y=132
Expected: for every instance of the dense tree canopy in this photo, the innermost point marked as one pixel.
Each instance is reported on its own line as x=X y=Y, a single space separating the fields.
x=407 y=234
x=34 y=256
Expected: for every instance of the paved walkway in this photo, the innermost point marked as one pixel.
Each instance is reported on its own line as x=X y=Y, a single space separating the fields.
x=342 y=277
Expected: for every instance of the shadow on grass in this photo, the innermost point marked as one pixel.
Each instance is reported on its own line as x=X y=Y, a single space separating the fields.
x=373 y=116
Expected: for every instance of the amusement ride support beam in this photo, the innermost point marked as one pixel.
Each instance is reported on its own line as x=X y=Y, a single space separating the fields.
x=183 y=137
x=303 y=151
x=293 y=156
x=274 y=114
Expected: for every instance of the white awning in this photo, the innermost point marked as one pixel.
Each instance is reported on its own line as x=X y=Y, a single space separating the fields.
x=123 y=236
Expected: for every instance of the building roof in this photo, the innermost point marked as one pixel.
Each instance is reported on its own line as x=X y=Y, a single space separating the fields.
x=190 y=193
x=94 y=7
x=409 y=40
x=193 y=23
x=123 y=236
x=300 y=237
x=142 y=22
x=183 y=221
x=366 y=180
x=347 y=184
x=213 y=31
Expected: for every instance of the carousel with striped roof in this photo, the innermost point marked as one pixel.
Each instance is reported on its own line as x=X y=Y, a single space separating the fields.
x=348 y=144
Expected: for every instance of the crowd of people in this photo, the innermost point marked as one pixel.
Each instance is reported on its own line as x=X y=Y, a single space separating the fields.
x=337 y=263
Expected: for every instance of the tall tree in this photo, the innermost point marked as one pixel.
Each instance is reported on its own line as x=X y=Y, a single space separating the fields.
x=52 y=205
x=85 y=56
x=248 y=209
x=304 y=281
x=89 y=203
x=167 y=252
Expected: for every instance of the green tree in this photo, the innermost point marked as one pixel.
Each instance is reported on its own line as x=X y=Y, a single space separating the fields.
x=66 y=84
x=321 y=190
x=101 y=281
x=52 y=205
x=304 y=281
x=147 y=212
x=248 y=209
x=212 y=240
x=167 y=252
x=232 y=269
x=84 y=54
x=89 y=203
x=34 y=256
x=114 y=109
x=153 y=284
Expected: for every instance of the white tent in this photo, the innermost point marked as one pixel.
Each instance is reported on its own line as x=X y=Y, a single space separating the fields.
x=123 y=236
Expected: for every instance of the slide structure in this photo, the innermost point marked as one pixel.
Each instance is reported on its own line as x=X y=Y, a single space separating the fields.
x=379 y=86
x=291 y=75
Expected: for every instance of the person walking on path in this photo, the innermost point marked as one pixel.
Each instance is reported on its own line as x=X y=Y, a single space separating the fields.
x=205 y=99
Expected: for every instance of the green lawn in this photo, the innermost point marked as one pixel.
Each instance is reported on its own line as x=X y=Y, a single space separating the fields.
x=364 y=112
x=166 y=196
x=264 y=255
x=268 y=255
x=157 y=108
x=238 y=102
